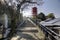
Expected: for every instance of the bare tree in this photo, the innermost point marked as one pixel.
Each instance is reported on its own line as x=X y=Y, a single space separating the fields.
x=16 y=13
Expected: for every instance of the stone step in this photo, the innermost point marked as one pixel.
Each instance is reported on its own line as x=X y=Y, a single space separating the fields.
x=29 y=24
x=27 y=28
x=35 y=31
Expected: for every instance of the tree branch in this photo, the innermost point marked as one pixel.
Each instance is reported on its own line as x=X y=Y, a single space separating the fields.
x=31 y=2
x=25 y=1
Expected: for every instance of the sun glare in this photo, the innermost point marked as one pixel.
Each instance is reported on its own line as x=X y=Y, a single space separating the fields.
x=27 y=13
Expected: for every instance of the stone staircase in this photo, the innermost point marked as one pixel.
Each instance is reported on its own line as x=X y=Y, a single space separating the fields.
x=27 y=27
x=27 y=31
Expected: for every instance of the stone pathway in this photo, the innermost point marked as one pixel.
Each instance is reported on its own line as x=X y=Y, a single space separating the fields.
x=27 y=32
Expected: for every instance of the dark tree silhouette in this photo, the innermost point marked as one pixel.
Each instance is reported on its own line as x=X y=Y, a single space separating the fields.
x=41 y=16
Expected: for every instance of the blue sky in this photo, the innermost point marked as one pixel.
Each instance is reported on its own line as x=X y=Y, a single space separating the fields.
x=49 y=6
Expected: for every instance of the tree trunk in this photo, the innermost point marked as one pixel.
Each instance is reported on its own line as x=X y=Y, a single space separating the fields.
x=13 y=24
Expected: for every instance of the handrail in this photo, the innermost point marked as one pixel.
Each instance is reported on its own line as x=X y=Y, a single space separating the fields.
x=49 y=31
x=21 y=24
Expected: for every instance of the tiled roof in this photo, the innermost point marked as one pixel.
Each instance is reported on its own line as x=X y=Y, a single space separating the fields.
x=55 y=21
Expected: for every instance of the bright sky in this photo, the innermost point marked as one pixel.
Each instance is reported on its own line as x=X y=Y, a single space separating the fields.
x=49 y=6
